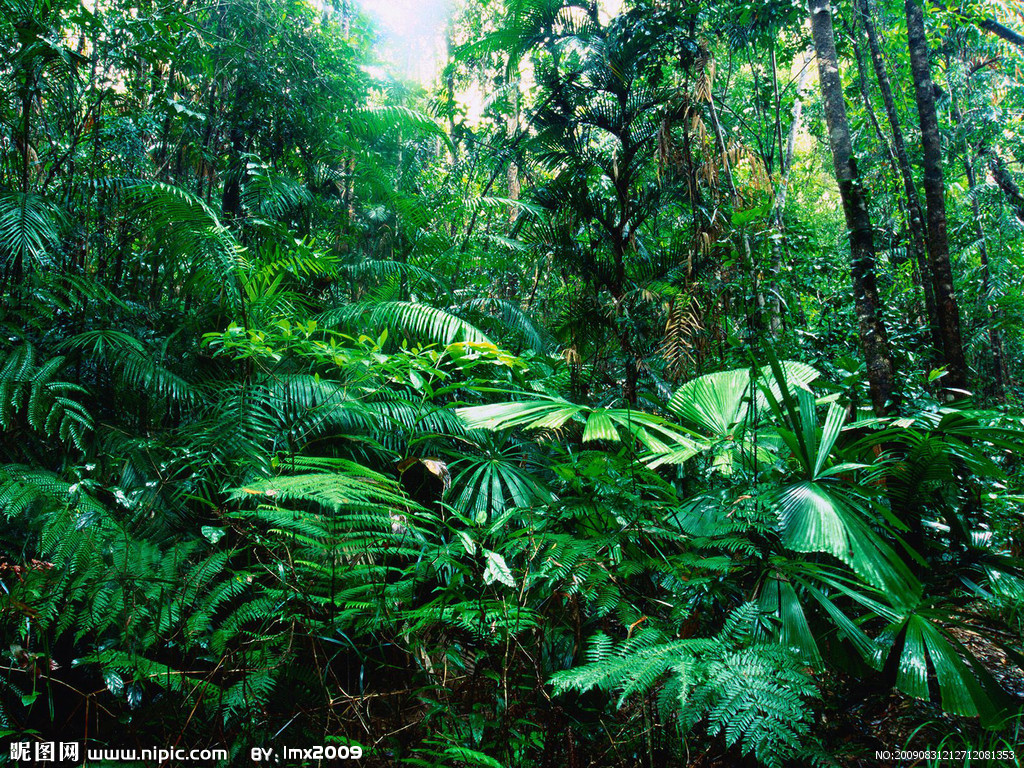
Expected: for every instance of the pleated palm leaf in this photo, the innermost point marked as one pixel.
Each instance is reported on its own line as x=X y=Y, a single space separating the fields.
x=915 y=646
x=729 y=409
x=610 y=425
x=502 y=477
x=830 y=503
x=417 y=321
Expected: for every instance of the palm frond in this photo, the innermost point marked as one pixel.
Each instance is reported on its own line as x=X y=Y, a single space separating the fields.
x=418 y=321
x=29 y=228
x=50 y=407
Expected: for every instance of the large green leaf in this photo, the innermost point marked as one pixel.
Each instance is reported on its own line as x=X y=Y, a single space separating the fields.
x=487 y=486
x=497 y=570
x=531 y=414
x=29 y=228
x=966 y=687
x=714 y=403
x=419 y=321
x=718 y=403
x=600 y=424
x=816 y=517
x=779 y=600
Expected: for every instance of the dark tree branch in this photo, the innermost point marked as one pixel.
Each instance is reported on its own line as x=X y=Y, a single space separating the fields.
x=989 y=25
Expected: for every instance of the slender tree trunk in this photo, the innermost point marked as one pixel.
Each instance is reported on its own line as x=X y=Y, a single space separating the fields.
x=27 y=153
x=891 y=235
x=777 y=103
x=997 y=389
x=794 y=130
x=869 y=106
x=917 y=248
x=231 y=199
x=449 y=88
x=781 y=192
x=873 y=337
x=621 y=244
x=162 y=158
x=26 y=135
x=753 y=313
x=935 y=200
x=514 y=182
x=344 y=10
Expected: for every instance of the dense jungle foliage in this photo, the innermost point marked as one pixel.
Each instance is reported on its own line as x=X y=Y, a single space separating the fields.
x=644 y=389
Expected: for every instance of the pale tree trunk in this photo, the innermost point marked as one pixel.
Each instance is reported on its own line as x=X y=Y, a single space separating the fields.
x=344 y=10
x=514 y=183
x=917 y=248
x=753 y=314
x=873 y=336
x=449 y=89
x=997 y=389
x=935 y=201
x=779 y=205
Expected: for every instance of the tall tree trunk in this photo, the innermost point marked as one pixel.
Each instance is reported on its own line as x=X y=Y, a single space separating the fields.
x=231 y=200
x=344 y=10
x=917 y=248
x=513 y=126
x=621 y=244
x=449 y=89
x=28 y=154
x=779 y=204
x=753 y=313
x=873 y=337
x=997 y=387
x=935 y=200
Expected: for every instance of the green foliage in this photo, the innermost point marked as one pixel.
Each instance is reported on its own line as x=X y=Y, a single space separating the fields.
x=33 y=396
x=755 y=695
x=335 y=411
x=417 y=321
x=29 y=229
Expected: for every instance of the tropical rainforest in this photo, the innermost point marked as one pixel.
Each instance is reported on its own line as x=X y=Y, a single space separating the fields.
x=644 y=387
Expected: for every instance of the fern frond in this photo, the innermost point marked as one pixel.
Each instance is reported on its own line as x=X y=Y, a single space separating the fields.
x=511 y=318
x=194 y=233
x=49 y=406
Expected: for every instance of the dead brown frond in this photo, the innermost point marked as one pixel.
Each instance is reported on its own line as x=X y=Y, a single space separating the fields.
x=682 y=325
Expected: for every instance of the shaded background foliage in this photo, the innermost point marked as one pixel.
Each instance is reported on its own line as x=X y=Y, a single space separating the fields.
x=547 y=436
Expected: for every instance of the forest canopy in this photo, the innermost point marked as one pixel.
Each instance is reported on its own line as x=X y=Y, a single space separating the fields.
x=594 y=385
